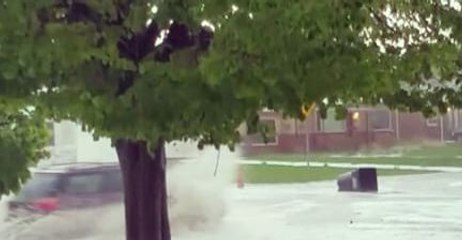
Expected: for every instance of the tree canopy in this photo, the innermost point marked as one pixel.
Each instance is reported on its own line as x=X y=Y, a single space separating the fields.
x=152 y=69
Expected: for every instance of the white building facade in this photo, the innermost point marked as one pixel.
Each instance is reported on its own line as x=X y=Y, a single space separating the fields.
x=71 y=144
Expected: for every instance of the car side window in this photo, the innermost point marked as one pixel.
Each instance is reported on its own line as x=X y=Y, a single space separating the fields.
x=112 y=182
x=84 y=184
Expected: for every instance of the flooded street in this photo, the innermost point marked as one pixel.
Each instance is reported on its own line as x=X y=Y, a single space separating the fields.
x=407 y=207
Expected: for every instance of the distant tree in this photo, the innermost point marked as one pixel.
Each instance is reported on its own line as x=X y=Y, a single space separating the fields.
x=146 y=72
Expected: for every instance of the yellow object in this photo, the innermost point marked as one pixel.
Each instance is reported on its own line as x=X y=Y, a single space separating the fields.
x=355 y=116
x=306 y=111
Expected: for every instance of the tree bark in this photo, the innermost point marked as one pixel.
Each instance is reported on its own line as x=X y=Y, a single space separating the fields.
x=144 y=176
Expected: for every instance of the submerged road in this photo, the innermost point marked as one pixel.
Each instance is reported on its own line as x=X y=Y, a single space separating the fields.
x=420 y=207
x=407 y=207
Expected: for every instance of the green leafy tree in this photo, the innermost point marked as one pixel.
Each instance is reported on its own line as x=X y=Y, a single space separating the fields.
x=146 y=72
x=23 y=138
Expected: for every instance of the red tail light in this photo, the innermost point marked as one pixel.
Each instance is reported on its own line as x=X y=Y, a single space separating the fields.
x=46 y=204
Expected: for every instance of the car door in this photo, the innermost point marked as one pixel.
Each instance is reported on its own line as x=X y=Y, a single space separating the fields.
x=83 y=190
x=112 y=187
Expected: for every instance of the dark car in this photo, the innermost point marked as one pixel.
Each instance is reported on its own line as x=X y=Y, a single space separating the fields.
x=69 y=186
x=60 y=201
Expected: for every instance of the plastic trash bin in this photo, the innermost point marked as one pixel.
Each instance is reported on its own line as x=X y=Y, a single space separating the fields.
x=359 y=180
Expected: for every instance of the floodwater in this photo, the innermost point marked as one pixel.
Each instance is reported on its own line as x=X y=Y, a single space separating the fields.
x=198 y=188
x=407 y=207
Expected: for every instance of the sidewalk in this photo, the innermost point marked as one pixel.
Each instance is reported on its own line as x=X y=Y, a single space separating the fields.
x=352 y=165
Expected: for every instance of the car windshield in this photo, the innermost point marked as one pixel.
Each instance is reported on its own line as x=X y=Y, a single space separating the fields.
x=39 y=186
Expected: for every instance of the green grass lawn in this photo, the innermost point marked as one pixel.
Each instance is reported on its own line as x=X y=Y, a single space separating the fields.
x=282 y=174
x=442 y=155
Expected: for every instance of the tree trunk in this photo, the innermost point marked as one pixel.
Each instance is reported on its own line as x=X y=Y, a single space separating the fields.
x=144 y=176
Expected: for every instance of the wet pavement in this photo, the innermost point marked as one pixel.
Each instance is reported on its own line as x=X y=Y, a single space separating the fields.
x=407 y=207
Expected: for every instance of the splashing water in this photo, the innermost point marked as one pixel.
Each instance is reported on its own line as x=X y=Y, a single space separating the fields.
x=198 y=202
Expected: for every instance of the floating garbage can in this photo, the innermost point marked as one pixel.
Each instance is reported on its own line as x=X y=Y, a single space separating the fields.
x=359 y=180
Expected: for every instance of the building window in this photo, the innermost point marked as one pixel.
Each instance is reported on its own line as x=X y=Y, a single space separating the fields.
x=331 y=124
x=432 y=122
x=380 y=119
x=269 y=125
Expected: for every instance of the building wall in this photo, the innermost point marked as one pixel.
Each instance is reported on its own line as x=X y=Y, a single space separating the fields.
x=65 y=141
x=286 y=143
x=71 y=144
x=332 y=142
x=414 y=127
x=292 y=135
x=89 y=150
x=369 y=129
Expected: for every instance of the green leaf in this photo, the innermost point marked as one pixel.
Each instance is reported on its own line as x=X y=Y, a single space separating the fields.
x=267 y=54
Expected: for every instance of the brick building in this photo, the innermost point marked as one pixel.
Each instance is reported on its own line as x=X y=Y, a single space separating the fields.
x=364 y=127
